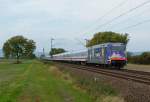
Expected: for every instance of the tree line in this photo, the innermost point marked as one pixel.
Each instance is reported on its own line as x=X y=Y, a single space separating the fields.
x=144 y=58
x=55 y=51
x=20 y=47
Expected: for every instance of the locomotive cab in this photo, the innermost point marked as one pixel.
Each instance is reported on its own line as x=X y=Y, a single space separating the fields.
x=109 y=54
x=117 y=56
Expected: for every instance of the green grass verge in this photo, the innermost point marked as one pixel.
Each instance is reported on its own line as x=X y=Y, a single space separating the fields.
x=33 y=81
x=99 y=90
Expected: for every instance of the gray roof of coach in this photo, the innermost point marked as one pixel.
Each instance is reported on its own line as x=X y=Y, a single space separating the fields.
x=103 y=45
x=71 y=53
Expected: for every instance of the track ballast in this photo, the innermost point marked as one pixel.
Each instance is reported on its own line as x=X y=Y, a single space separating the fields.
x=136 y=76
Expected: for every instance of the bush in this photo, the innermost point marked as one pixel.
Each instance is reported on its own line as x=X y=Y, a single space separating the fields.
x=98 y=90
x=144 y=58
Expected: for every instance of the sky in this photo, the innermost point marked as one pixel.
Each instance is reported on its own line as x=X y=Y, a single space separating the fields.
x=70 y=22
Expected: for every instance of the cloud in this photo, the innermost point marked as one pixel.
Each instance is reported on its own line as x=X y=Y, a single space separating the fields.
x=42 y=19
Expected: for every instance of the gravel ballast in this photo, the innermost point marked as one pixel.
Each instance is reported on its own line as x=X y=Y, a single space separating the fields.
x=129 y=90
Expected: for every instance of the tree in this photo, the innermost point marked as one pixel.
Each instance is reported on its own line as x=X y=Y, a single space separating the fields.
x=19 y=47
x=104 y=37
x=29 y=49
x=129 y=54
x=55 y=51
x=144 y=58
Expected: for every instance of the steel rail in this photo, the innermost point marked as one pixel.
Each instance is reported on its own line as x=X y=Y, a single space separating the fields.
x=132 y=76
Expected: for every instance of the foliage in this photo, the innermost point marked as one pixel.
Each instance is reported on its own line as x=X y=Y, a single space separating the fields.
x=56 y=51
x=129 y=54
x=94 y=86
x=105 y=37
x=19 y=47
x=144 y=58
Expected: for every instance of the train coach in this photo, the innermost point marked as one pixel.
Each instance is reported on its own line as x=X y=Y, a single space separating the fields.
x=107 y=54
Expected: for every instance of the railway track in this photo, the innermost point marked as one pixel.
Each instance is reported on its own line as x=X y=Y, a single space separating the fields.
x=136 y=76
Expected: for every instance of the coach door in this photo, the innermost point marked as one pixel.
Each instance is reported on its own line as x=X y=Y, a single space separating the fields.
x=103 y=55
x=96 y=57
x=89 y=55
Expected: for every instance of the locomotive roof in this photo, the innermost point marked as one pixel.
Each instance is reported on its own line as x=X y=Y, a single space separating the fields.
x=105 y=45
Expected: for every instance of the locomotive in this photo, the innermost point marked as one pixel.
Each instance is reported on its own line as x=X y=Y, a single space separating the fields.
x=107 y=54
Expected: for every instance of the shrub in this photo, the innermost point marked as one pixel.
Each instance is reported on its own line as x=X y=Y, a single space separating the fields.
x=144 y=58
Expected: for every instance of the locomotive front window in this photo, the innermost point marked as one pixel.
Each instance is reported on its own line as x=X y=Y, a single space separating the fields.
x=118 y=48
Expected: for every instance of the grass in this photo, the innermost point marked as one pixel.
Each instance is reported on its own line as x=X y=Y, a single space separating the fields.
x=99 y=90
x=33 y=81
x=138 y=67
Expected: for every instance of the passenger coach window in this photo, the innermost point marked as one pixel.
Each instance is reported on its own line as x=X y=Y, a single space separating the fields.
x=97 y=52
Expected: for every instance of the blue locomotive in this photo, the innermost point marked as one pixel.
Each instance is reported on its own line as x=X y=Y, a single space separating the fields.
x=107 y=54
x=112 y=54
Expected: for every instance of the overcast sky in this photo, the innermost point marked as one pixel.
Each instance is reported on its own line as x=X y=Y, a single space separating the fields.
x=69 y=22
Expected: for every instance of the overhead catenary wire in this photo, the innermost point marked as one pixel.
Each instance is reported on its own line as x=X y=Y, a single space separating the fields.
x=115 y=25
x=110 y=11
x=107 y=13
x=134 y=25
x=123 y=14
x=80 y=42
